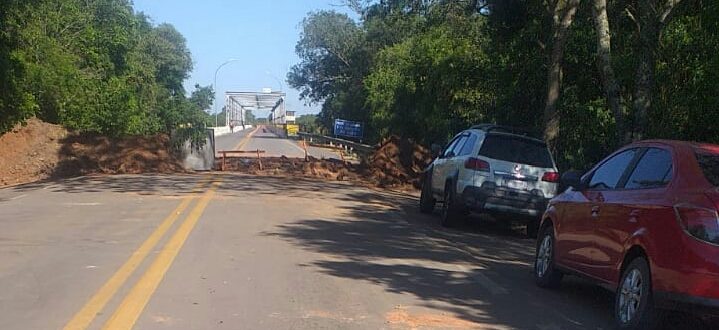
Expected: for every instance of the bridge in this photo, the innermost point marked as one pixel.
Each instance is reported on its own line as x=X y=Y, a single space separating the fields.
x=263 y=138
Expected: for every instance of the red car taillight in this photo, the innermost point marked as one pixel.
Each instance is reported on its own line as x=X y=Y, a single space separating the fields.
x=476 y=164
x=550 y=177
x=700 y=222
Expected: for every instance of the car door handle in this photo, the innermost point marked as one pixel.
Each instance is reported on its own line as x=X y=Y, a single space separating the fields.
x=595 y=211
x=634 y=215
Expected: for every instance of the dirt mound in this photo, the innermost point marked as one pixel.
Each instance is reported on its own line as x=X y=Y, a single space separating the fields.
x=29 y=152
x=398 y=161
x=38 y=150
x=331 y=169
x=85 y=154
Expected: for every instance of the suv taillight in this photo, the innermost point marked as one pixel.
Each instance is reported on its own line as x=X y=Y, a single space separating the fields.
x=700 y=222
x=550 y=177
x=476 y=164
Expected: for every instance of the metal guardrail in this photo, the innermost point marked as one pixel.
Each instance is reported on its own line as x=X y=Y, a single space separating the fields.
x=359 y=148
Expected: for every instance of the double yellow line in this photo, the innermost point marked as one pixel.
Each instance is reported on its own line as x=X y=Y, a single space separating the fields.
x=246 y=139
x=135 y=301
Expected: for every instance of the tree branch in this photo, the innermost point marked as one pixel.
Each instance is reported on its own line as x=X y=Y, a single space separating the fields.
x=336 y=54
x=632 y=18
x=668 y=9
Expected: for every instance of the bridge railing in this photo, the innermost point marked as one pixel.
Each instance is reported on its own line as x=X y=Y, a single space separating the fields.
x=360 y=149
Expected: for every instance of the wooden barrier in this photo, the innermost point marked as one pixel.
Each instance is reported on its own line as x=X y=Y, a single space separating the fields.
x=224 y=154
x=304 y=146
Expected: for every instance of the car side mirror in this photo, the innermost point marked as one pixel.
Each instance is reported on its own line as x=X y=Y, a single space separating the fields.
x=436 y=150
x=571 y=179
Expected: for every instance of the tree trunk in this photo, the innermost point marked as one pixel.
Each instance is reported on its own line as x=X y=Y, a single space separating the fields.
x=604 y=62
x=653 y=16
x=563 y=15
x=644 y=77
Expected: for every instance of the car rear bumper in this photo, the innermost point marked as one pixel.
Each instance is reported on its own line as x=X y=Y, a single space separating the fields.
x=506 y=200
x=696 y=305
x=688 y=279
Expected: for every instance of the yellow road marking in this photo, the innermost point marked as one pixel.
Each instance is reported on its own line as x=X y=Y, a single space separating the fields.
x=134 y=303
x=246 y=139
x=87 y=314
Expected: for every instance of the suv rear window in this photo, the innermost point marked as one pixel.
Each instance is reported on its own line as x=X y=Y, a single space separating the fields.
x=710 y=166
x=516 y=149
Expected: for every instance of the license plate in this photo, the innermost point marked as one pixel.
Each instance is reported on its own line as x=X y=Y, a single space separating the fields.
x=515 y=184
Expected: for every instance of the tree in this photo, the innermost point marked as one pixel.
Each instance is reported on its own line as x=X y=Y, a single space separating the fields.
x=562 y=17
x=427 y=69
x=432 y=84
x=333 y=63
x=604 y=61
x=173 y=61
x=327 y=50
x=687 y=75
x=308 y=124
x=250 y=118
x=653 y=16
x=94 y=66
x=202 y=97
x=16 y=103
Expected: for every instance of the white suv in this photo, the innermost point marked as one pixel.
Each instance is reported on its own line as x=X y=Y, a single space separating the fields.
x=489 y=168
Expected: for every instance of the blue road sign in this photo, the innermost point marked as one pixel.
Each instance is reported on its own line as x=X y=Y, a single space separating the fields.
x=348 y=128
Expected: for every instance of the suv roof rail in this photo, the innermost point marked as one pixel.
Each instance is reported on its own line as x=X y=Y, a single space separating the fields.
x=503 y=129
x=492 y=127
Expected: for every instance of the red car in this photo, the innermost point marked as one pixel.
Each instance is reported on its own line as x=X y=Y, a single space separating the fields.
x=642 y=223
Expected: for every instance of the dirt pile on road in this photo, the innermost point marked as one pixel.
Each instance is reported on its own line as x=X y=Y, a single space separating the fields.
x=85 y=154
x=29 y=152
x=39 y=150
x=331 y=169
x=398 y=161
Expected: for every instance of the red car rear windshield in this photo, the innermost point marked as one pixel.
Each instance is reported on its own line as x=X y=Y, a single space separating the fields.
x=709 y=162
x=516 y=149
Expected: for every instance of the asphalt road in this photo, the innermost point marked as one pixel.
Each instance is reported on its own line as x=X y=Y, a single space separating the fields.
x=261 y=138
x=229 y=251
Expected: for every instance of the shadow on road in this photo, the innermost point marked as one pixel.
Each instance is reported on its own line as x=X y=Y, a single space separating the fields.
x=147 y=184
x=234 y=185
x=273 y=137
x=381 y=239
x=480 y=272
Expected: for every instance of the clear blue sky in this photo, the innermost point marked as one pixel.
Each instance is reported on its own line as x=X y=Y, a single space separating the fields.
x=262 y=33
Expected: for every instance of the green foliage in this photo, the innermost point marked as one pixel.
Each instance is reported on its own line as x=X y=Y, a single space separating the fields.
x=250 y=118
x=688 y=102
x=431 y=84
x=202 y=97
x=427 y=69
x=95 y=66
x=328 y=48
x=309 y=124
x=16 y=103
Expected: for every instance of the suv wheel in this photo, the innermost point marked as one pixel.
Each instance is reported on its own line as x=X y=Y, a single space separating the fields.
x=545 y=273
x=426 y=200
x=449 y=210
x=634 y=306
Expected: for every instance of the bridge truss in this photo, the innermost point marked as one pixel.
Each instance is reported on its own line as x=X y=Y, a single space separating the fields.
x=237 y=104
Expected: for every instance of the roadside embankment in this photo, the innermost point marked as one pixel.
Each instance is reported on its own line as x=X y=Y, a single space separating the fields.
x=39 y=150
